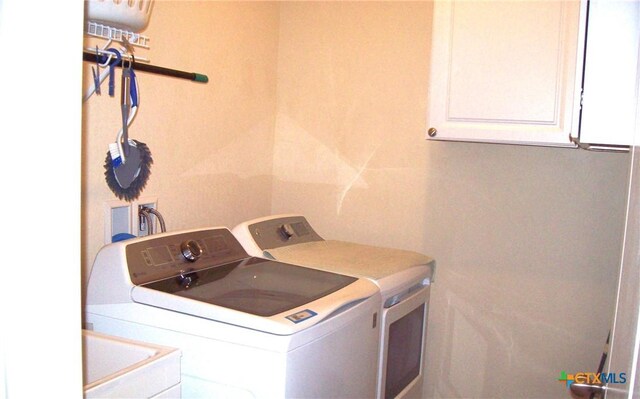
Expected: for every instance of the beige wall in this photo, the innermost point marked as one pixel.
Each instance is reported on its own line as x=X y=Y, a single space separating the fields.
x=211 y=143
x=527 y=240
x=320 y=109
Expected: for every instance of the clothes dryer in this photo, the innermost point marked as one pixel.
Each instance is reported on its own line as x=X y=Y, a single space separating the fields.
x=404 y=279
x=247 y=327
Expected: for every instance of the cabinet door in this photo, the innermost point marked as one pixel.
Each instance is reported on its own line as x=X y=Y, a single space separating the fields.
x=611 y=72
x=506 y=71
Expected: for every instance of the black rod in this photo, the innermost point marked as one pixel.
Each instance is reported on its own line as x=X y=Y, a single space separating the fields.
x=196 y=77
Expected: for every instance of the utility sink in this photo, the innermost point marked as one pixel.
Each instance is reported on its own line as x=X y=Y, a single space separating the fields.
x=115 y=367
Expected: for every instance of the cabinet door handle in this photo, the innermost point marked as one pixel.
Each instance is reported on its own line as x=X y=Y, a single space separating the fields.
x=586 y=390
x=432 y=132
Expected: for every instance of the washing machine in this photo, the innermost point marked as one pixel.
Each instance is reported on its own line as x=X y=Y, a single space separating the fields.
x=404 y=279
x=247 y=327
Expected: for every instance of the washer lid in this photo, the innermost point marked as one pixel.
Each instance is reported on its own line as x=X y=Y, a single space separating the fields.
x=257 y=286
x=212 y=305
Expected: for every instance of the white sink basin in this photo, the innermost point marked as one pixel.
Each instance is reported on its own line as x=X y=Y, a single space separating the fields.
x=115 y=367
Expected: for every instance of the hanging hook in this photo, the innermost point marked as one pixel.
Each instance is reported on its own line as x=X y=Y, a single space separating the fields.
x=103 y=51
x=127 y=45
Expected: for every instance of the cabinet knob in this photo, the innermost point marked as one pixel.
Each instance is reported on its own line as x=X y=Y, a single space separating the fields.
x=432 y=132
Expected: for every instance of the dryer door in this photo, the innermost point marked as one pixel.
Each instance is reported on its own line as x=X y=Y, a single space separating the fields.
x=404 y=339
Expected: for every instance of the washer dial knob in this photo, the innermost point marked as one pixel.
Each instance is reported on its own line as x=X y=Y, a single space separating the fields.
x=186 y=280
x=191 y=250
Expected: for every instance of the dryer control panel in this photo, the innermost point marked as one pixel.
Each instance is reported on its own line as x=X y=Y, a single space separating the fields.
x=282 y=231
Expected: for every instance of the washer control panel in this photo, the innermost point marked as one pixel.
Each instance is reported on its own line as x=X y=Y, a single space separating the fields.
x=162 y=257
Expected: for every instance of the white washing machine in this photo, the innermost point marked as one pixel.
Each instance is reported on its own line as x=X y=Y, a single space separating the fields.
x=404 y=278
x=247 y=327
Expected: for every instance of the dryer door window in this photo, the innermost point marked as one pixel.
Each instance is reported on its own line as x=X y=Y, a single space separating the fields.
x=404 y=353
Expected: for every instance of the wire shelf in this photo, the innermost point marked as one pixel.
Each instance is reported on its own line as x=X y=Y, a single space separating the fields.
x=110 y=33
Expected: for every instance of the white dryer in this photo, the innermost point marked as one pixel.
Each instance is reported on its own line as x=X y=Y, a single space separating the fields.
x=247 y=327
x=404 y=278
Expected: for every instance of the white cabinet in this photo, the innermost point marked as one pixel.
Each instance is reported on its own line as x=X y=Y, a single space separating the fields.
x=506 y=71
x=611 y=72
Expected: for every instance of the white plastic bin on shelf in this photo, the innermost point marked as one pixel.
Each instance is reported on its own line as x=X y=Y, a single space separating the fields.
x=130 y=15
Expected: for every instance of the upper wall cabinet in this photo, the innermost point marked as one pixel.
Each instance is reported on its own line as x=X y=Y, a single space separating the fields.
x=610 y=72
x=506 y=71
